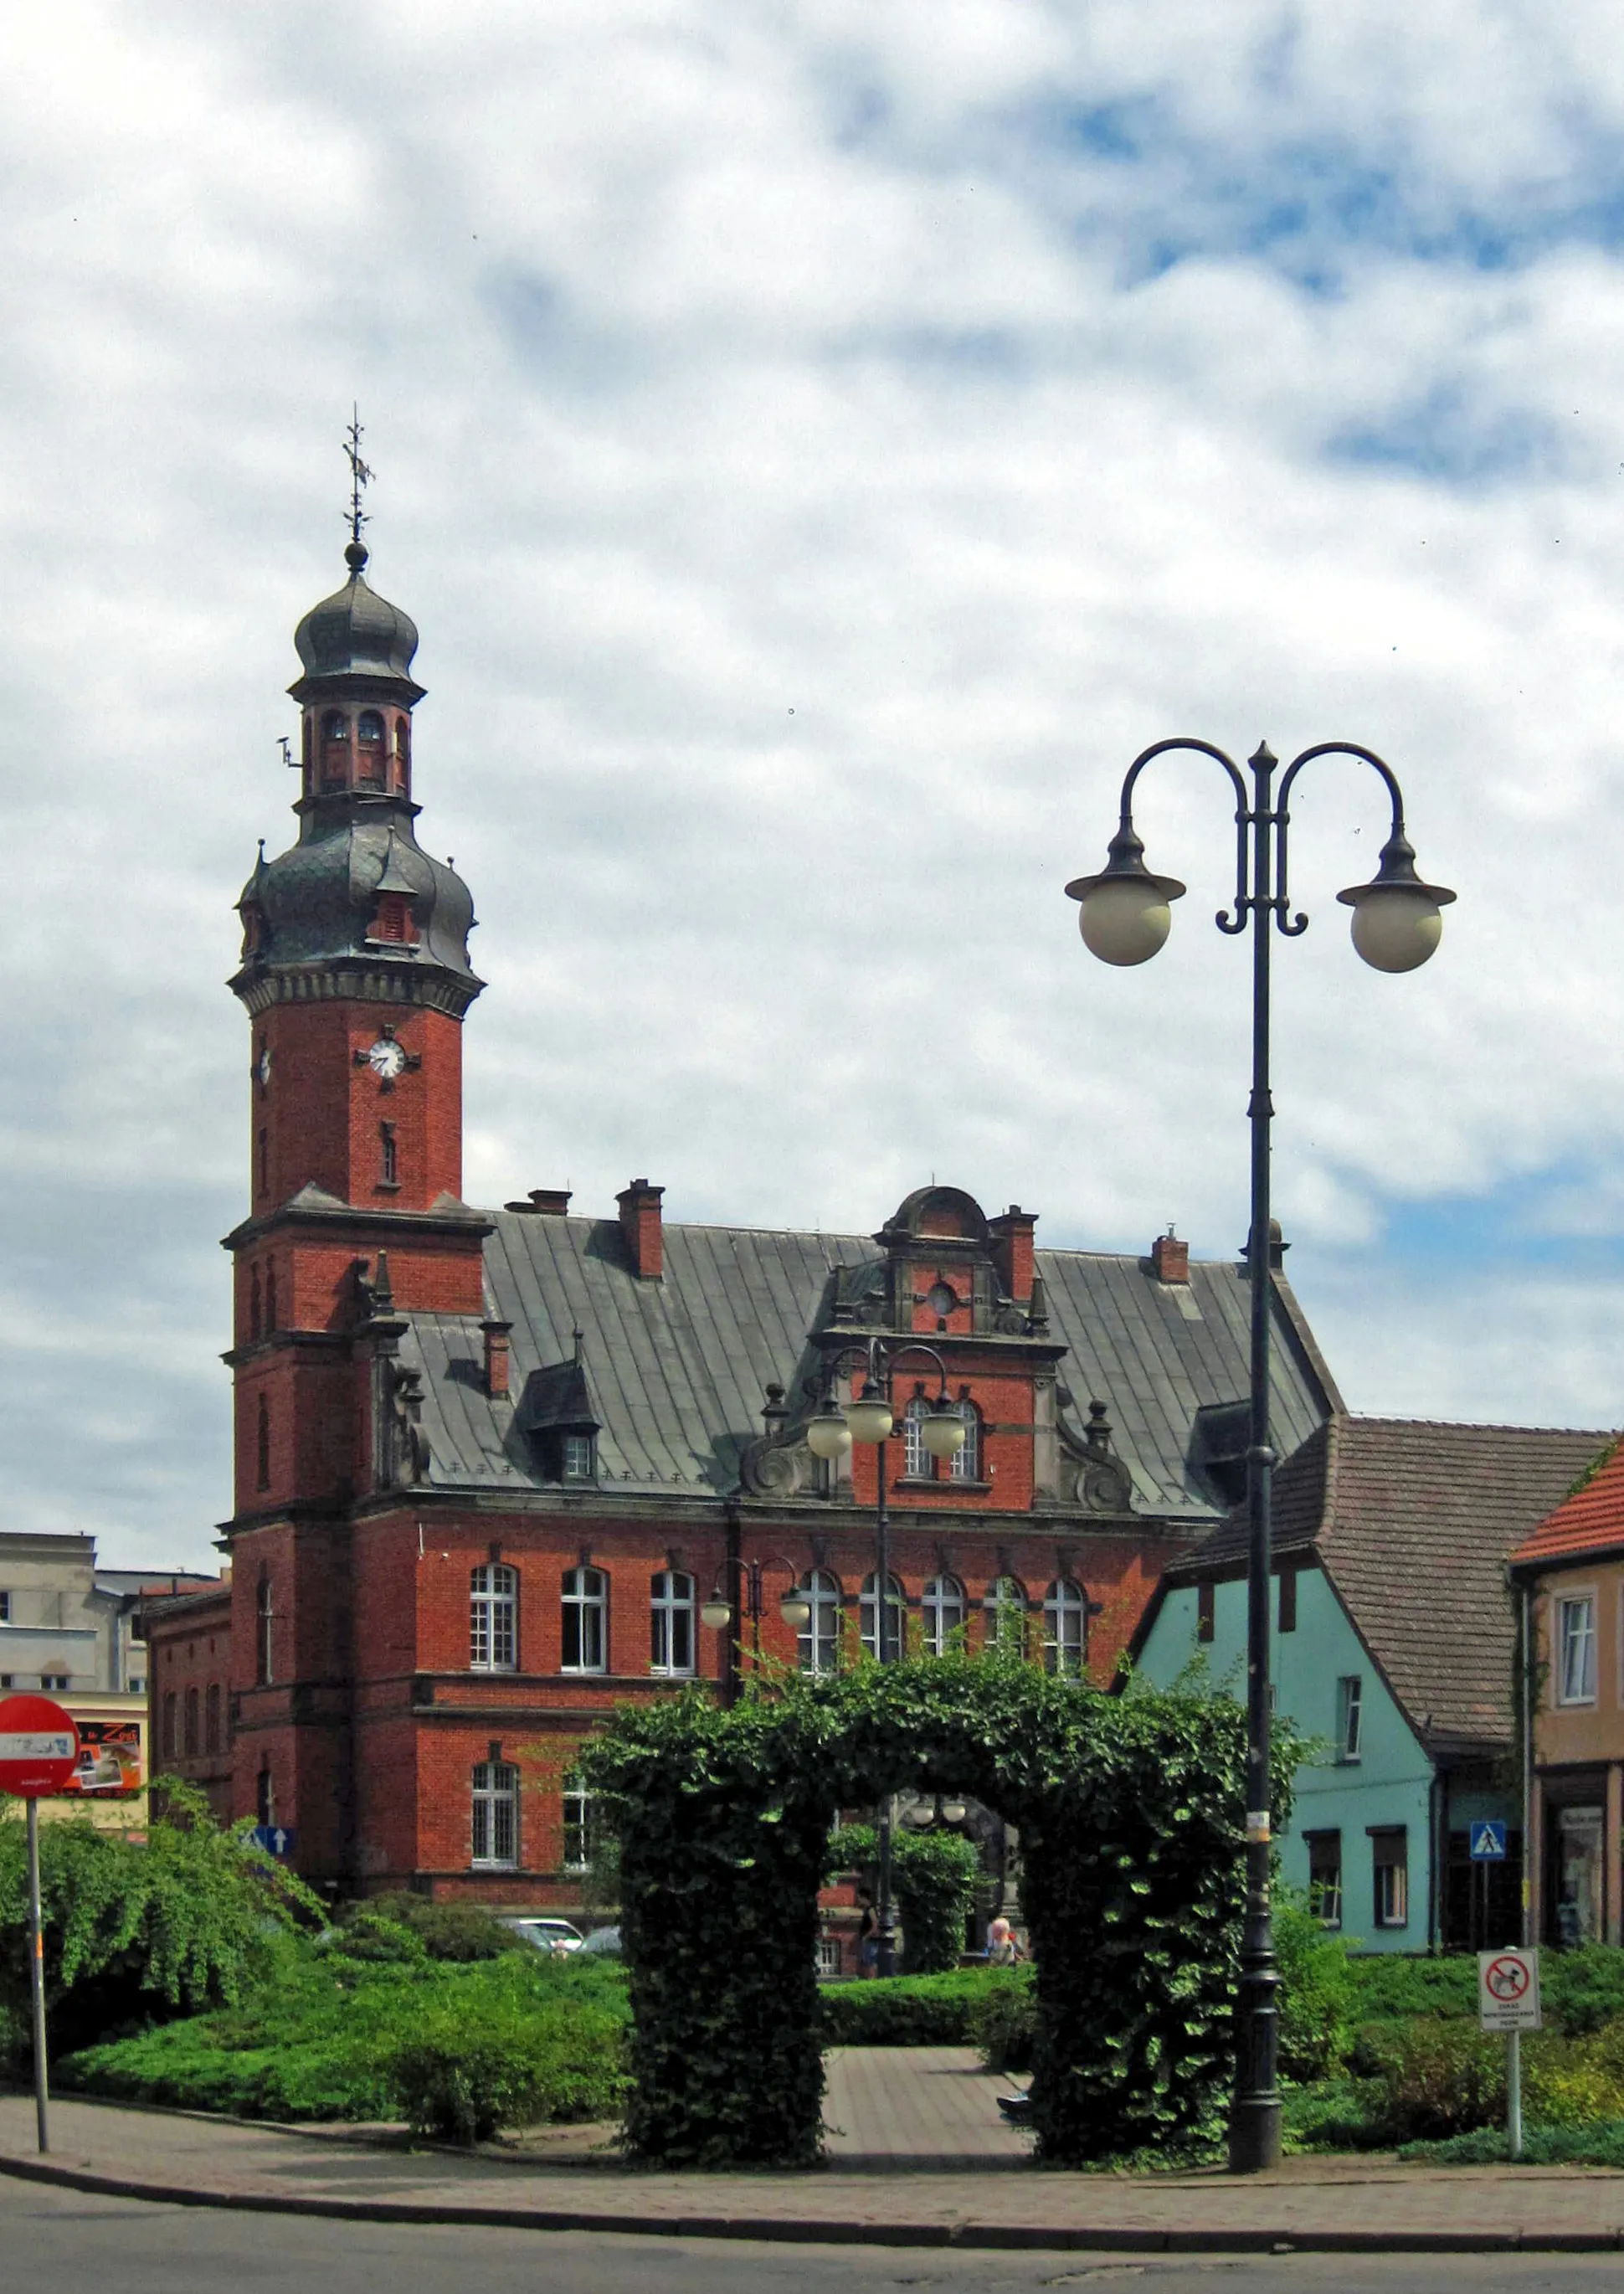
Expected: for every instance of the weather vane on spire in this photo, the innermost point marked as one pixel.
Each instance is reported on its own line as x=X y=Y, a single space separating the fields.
x=359 y=476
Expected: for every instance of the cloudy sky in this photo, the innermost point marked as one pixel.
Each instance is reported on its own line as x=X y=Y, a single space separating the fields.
x=820 y=444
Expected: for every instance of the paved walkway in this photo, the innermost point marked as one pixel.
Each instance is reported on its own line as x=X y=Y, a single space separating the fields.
x=861 y=2197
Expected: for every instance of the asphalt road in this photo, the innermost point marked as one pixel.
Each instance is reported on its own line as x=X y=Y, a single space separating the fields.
x=68 y=2242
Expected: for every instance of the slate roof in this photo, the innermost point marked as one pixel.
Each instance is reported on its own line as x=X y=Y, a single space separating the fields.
x=1590 y=1521
x=676 y=1370
x=1412 y=1522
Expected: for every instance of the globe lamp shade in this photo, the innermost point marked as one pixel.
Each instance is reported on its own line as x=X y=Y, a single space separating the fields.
x=954 y=1811
x=828 y=1435
x=1125 y=912
x=795 y=1609
x=868 y=1417
x=944 y=1431
x=1396 y=920
x=717 y=1614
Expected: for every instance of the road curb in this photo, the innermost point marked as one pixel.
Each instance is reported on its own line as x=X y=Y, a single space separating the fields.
x=784 y=2230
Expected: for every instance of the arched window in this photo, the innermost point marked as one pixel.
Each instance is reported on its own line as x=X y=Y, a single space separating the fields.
x=1065 y=1627
x=496 y=1815
x=190 y=1740
x=272 y=1324
x=868 y=1605
x=586 y=1599
x=370 y=739
x=265 y=1800
x=402 y=752
x=169 y=1741
x=262 y=1444
x=494 y=1614
x=817 y=1645
x=577 y=1824
x=1006 y=1616
x=915 y=1457
x=264 y=1625
x=671 y=1621
x=337 y=728
x=211 y=1718
x=254 y=1310
x=966 y=1463
x=944 y=1610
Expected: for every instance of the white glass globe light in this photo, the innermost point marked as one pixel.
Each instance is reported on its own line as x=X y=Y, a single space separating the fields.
x=795 y=1609
x=1396 y=930
x=717 y=1614
x=828 y=1435
x=1124 y=920
x=943 y=1429
x=869 y=1417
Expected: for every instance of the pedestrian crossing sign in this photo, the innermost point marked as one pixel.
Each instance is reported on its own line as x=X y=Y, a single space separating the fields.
x=1489 y=1842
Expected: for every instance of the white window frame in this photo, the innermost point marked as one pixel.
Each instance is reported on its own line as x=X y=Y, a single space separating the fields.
x=965 y=1464
x=671 y=1638
x=943 y=1607
x=1350 y=1717
x=576 y=1462
x=576 y=1835
x=828 y=1960
x=1567 y=1606
x=586 y=1607
x=997 y=1605
x=1394 y=1911
x=1065 y=1627
x=493 y=1618
x=495 y=1817
x=817 y=1643
x=915 y=1458
x=1332 y=1917
x=868 y=1615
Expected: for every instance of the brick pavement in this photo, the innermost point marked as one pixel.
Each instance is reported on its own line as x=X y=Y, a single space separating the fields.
x=988 y=2199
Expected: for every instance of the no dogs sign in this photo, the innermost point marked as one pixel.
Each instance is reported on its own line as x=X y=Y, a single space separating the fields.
x=1508 y=1990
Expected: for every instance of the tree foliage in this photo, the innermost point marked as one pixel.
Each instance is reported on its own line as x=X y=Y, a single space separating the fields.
x=933 y=1881
x=1130 y=1812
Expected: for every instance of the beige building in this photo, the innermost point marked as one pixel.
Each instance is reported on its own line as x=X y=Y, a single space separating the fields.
x=1570 y=1577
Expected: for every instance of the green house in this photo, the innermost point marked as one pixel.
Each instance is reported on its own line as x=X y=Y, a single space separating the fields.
x=1392 y=1649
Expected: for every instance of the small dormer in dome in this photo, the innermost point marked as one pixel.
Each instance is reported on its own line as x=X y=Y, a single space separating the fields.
x=355 y=634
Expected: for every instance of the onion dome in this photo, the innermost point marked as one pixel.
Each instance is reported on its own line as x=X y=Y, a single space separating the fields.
x=356 y=633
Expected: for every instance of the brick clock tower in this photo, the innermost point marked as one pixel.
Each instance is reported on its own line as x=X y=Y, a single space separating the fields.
x=356 y=978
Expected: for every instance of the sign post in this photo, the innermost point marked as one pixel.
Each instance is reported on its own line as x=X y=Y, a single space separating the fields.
x=1508 y=2001
x=39 y=1750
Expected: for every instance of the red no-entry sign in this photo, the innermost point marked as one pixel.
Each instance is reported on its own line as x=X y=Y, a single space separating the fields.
x=39 y=1746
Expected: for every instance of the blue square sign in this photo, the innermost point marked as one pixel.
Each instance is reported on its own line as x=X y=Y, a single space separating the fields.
x=1489 y=1841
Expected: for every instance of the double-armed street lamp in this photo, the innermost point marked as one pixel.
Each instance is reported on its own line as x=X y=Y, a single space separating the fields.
x=868 y=1418
x=718 y=1612
x=1125 y=917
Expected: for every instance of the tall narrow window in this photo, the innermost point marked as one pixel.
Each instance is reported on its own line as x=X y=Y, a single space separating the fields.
x=335 y=748
x=254 y=1316
x=369 y=743
x=966 y=1463
x=915 y=1457
x=1350 y=1715
x=191 y=1738
x=170 y=1744
x=1288 y=1601
x=1206 y=1611
x=262 y=1443
x=388 y=1159
x=943 y=1604
x=868 y=1605
x=265 y=1159
x=496 y=1815
x=585 y=1600
x=1065 y=1626
x=263 y=1627
x=493 y=1608
x=1576 y=1649
x=671 y=1621
x=1325 y=1876
x=577 y=1824
x=403 y=754
x=1005 y=1609
x=211 y=1718
x=1390 y=1876
x=575 y=1458
x=818 y=1644
x=264 y=1801
x=272 y=1323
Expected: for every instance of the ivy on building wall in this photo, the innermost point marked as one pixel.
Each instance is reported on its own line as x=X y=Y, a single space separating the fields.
x=1129 y=1810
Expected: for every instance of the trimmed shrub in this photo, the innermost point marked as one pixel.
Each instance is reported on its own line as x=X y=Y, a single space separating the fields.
x=461 y=2077
x=1582 y=1990
x=909 y=2011
x=1317 y=1994
x=1436 y=2078
x=455 y=1932
x=1004 y=2022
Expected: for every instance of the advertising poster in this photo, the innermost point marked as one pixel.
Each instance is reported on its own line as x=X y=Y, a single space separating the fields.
x=110 y=1766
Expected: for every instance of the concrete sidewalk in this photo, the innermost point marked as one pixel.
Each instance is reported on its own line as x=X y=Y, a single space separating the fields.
x=984 y=2199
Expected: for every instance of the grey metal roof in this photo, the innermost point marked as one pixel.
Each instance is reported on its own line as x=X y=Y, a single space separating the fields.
x=676 y=1370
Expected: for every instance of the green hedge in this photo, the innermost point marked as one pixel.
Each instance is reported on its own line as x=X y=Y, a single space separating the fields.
x=912 y=2011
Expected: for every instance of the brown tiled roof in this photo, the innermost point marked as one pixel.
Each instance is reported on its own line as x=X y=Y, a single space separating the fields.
x=1590 y=1521
x=1412 y=1523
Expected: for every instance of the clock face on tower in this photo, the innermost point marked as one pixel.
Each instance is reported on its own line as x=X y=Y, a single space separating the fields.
x=387 y=1059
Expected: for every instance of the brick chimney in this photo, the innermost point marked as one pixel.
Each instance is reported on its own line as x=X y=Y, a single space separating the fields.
x=551 y=1202
x=640 y=1225
x=1012 y=1252
x=1170 y=1258
x=497 y=1358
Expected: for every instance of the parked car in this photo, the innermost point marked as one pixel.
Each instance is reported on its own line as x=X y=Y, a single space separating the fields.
x=604 y=1943
x=547 y=1933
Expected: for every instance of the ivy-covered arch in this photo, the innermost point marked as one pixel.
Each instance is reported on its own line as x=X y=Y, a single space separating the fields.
x=1128 y=1809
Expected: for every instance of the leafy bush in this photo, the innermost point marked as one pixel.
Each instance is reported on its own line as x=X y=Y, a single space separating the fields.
x=372 y=1939
x=1599 y=2145
x=460 y=2076
x=455 y=1933
x=1004 y=2022
x=908 y=2011
x=1436 y=2078
x=1388 y=1987
x=1583 y=1989
x=933 y=1880
x=1317 y=1989
x=134 y=1930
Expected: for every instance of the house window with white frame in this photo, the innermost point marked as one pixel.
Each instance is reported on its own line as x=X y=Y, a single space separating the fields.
x=671 y=1621
x=1325 y=1876
x=818 y=1644
x=1065 y=1627
x=915 y=1457
x=577 y=1462
x=1350 y=1715
x=577 y=1826
x=1576 y=1649
x=586 y=1601
x=868 y=1604
x=943 y=1608
x=496 y=1815
x=493 y=1611
x=965 y=1464
x=1005 y=1608
x=1390 y=1876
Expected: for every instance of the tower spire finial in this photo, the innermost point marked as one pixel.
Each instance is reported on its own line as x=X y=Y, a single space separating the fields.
x=356 y=554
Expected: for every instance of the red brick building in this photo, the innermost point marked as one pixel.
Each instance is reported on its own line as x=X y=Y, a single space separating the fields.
x=490 y=1465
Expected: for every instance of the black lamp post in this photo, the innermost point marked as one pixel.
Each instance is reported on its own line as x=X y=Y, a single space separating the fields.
x=1125 y=918
x=718 y=1612
x=830 y=1433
